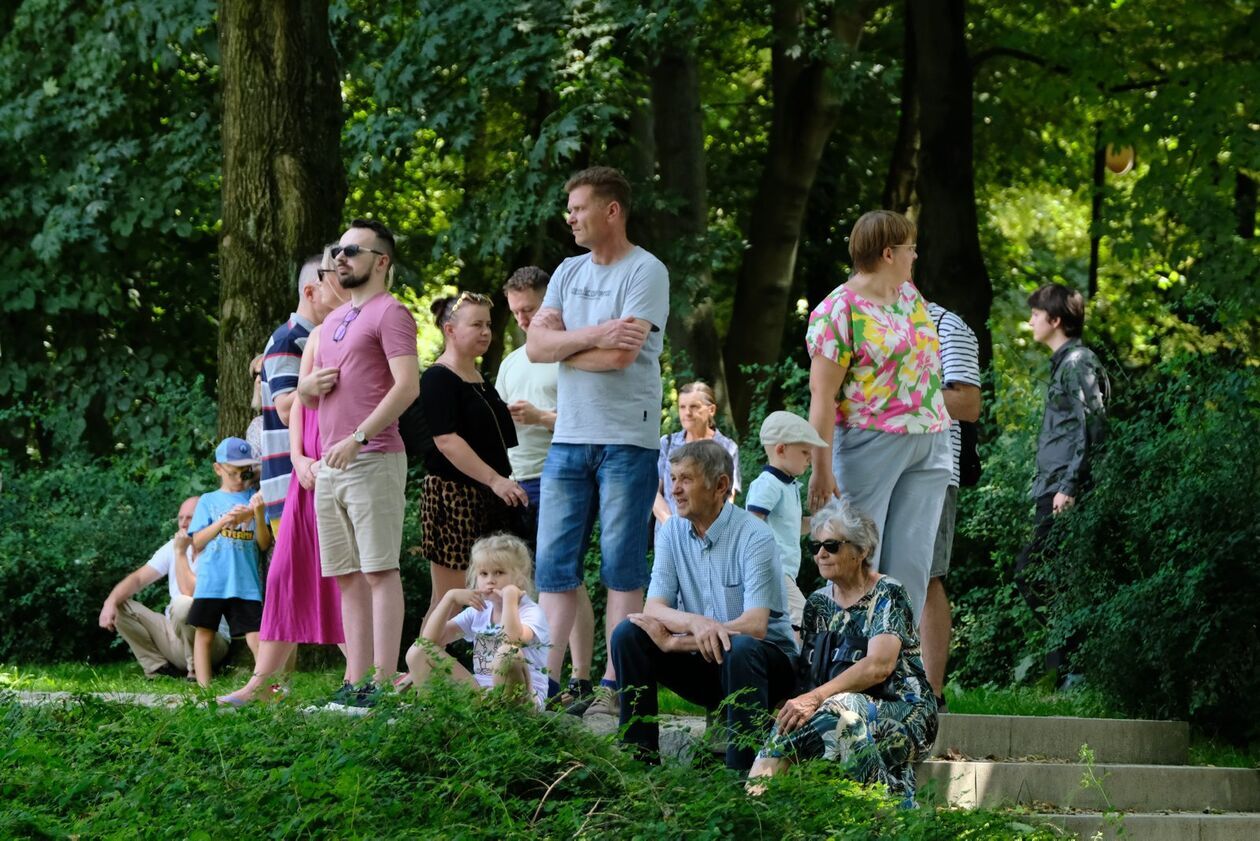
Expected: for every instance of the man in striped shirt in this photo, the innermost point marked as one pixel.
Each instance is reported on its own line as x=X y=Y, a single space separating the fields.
x=960 y=372
x=281 y=361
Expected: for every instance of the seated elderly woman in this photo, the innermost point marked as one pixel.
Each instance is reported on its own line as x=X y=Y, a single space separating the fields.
x=865 y=700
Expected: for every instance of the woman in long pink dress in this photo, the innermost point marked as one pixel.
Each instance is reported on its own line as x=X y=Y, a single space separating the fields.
x=299 y=604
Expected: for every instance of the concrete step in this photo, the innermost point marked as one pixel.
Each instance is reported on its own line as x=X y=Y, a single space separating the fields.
x=1141 y=788
x=1059 y=737
x=1148 y=826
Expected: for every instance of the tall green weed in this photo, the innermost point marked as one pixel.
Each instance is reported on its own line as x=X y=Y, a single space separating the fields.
x=449 y=765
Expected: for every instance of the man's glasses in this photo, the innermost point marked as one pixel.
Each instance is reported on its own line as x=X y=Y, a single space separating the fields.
x=322 y=272
x=345 y=322
x=352 y=250
x=463 y=297
x=832 y=546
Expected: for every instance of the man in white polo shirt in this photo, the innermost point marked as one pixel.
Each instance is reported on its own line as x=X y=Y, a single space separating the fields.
x=161 y=642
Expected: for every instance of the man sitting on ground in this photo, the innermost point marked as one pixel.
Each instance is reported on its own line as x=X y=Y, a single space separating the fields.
x=162 y=642
x=715 y=623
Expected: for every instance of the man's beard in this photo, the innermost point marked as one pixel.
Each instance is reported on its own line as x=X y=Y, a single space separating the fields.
x=353 y=281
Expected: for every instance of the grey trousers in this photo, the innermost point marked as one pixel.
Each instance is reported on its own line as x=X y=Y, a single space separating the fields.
x=900 y=481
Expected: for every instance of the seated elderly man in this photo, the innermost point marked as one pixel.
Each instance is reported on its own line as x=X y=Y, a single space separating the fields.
x=161 y=642
x=716 y=622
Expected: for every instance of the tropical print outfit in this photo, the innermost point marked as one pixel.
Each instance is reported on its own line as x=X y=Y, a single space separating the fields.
x=893 y=358
x=891 y=453
x=876 y=739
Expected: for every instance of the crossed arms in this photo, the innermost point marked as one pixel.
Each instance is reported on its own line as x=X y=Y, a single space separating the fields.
x=610 y=346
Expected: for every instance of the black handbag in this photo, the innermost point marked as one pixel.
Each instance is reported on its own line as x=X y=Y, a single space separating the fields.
x=826 y=654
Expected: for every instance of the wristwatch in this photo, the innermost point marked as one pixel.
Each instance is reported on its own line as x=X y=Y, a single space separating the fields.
x=360 y=437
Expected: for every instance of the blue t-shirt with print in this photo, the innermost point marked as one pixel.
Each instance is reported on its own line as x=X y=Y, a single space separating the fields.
x=228 y=567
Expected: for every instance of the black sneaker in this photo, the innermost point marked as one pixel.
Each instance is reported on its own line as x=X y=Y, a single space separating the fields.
x=365 y=696
x=576 y=698
x=167 y=670
x=344 y=694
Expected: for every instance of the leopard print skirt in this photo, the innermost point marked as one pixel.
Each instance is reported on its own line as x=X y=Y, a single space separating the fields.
x=454 y=516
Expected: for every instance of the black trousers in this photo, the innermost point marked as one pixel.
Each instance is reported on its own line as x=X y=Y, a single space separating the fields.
x=1042 y=550
x=758 y=672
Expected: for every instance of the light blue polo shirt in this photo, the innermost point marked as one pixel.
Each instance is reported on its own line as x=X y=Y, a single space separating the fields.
x=777 y=496
x=733 y=568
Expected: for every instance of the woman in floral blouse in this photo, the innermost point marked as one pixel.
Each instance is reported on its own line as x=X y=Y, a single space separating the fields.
x=865 y=700
x=875 y=393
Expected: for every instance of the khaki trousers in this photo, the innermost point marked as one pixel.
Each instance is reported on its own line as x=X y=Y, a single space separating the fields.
x=157 y=641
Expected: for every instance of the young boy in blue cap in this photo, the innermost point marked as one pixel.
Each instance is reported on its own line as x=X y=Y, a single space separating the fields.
x=229 y=529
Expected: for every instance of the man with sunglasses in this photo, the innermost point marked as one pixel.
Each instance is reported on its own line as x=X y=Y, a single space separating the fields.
x=366 y=373
x=281 y=360
x=602 y=318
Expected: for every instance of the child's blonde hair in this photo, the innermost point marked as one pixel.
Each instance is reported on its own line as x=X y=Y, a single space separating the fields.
x=507 y=550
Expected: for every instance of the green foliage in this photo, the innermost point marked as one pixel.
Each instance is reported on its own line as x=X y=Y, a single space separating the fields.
x=447 y=766
x=73 y=529
x=1158 y=566
x=109 y=159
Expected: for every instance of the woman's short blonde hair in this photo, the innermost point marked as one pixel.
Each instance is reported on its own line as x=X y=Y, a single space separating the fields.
x=875 y=231
x=507 y=551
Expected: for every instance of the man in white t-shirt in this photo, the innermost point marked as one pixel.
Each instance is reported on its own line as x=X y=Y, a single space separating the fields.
x=603 y=319
x=162 y=642
x=529 y=389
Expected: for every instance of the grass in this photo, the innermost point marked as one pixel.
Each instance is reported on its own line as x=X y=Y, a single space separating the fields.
x=1027 y=700
x=446 y=764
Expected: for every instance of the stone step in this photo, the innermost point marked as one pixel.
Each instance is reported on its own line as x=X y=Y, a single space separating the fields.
x=1142 y=788
x=1155 y=826
x=1059 y=737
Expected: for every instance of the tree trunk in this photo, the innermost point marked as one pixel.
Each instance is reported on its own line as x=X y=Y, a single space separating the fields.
x=283 y=181
x=899 y=192
x=679 y=136
x=950 y=269
x=1099 y=176
x=805 y=113
x=1245 y=204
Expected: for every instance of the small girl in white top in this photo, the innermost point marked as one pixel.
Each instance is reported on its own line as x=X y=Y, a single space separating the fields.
x=506 y=627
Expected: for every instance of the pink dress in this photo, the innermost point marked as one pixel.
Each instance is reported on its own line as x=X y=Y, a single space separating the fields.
x=300 y=605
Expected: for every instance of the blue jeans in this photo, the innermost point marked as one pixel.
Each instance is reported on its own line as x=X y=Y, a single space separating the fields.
x=758 y=673
x=621 y=481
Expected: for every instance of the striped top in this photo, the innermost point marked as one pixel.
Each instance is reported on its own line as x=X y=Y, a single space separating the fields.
x=281 y=362
x=960 y=363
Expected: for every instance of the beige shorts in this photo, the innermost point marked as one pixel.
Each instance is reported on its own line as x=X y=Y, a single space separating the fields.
x=795 y=600
x=359 y=512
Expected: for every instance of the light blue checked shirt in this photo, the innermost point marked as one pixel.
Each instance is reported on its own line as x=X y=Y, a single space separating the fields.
x=733 y=568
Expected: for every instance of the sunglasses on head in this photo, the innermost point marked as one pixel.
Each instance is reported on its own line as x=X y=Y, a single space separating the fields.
x=832 y=546
x=465 y=297
x=352 y=250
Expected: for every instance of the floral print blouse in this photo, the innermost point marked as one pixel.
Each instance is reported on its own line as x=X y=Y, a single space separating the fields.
x=893 y=361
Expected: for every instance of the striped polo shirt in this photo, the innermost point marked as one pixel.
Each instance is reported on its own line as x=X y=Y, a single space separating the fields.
x=281 y=361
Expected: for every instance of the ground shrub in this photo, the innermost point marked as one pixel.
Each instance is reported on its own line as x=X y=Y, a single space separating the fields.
x=447 y=766
x=1159 y=566
x=72 y=528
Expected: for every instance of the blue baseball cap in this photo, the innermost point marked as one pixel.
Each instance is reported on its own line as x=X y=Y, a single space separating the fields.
x=235 y=451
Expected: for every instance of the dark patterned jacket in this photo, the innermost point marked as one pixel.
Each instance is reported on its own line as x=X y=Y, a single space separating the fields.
x=1075 y=421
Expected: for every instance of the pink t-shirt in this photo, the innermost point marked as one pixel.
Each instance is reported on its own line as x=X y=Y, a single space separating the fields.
x=382 y=330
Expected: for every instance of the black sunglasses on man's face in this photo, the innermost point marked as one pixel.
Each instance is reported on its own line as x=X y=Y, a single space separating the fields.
x=352 y=250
